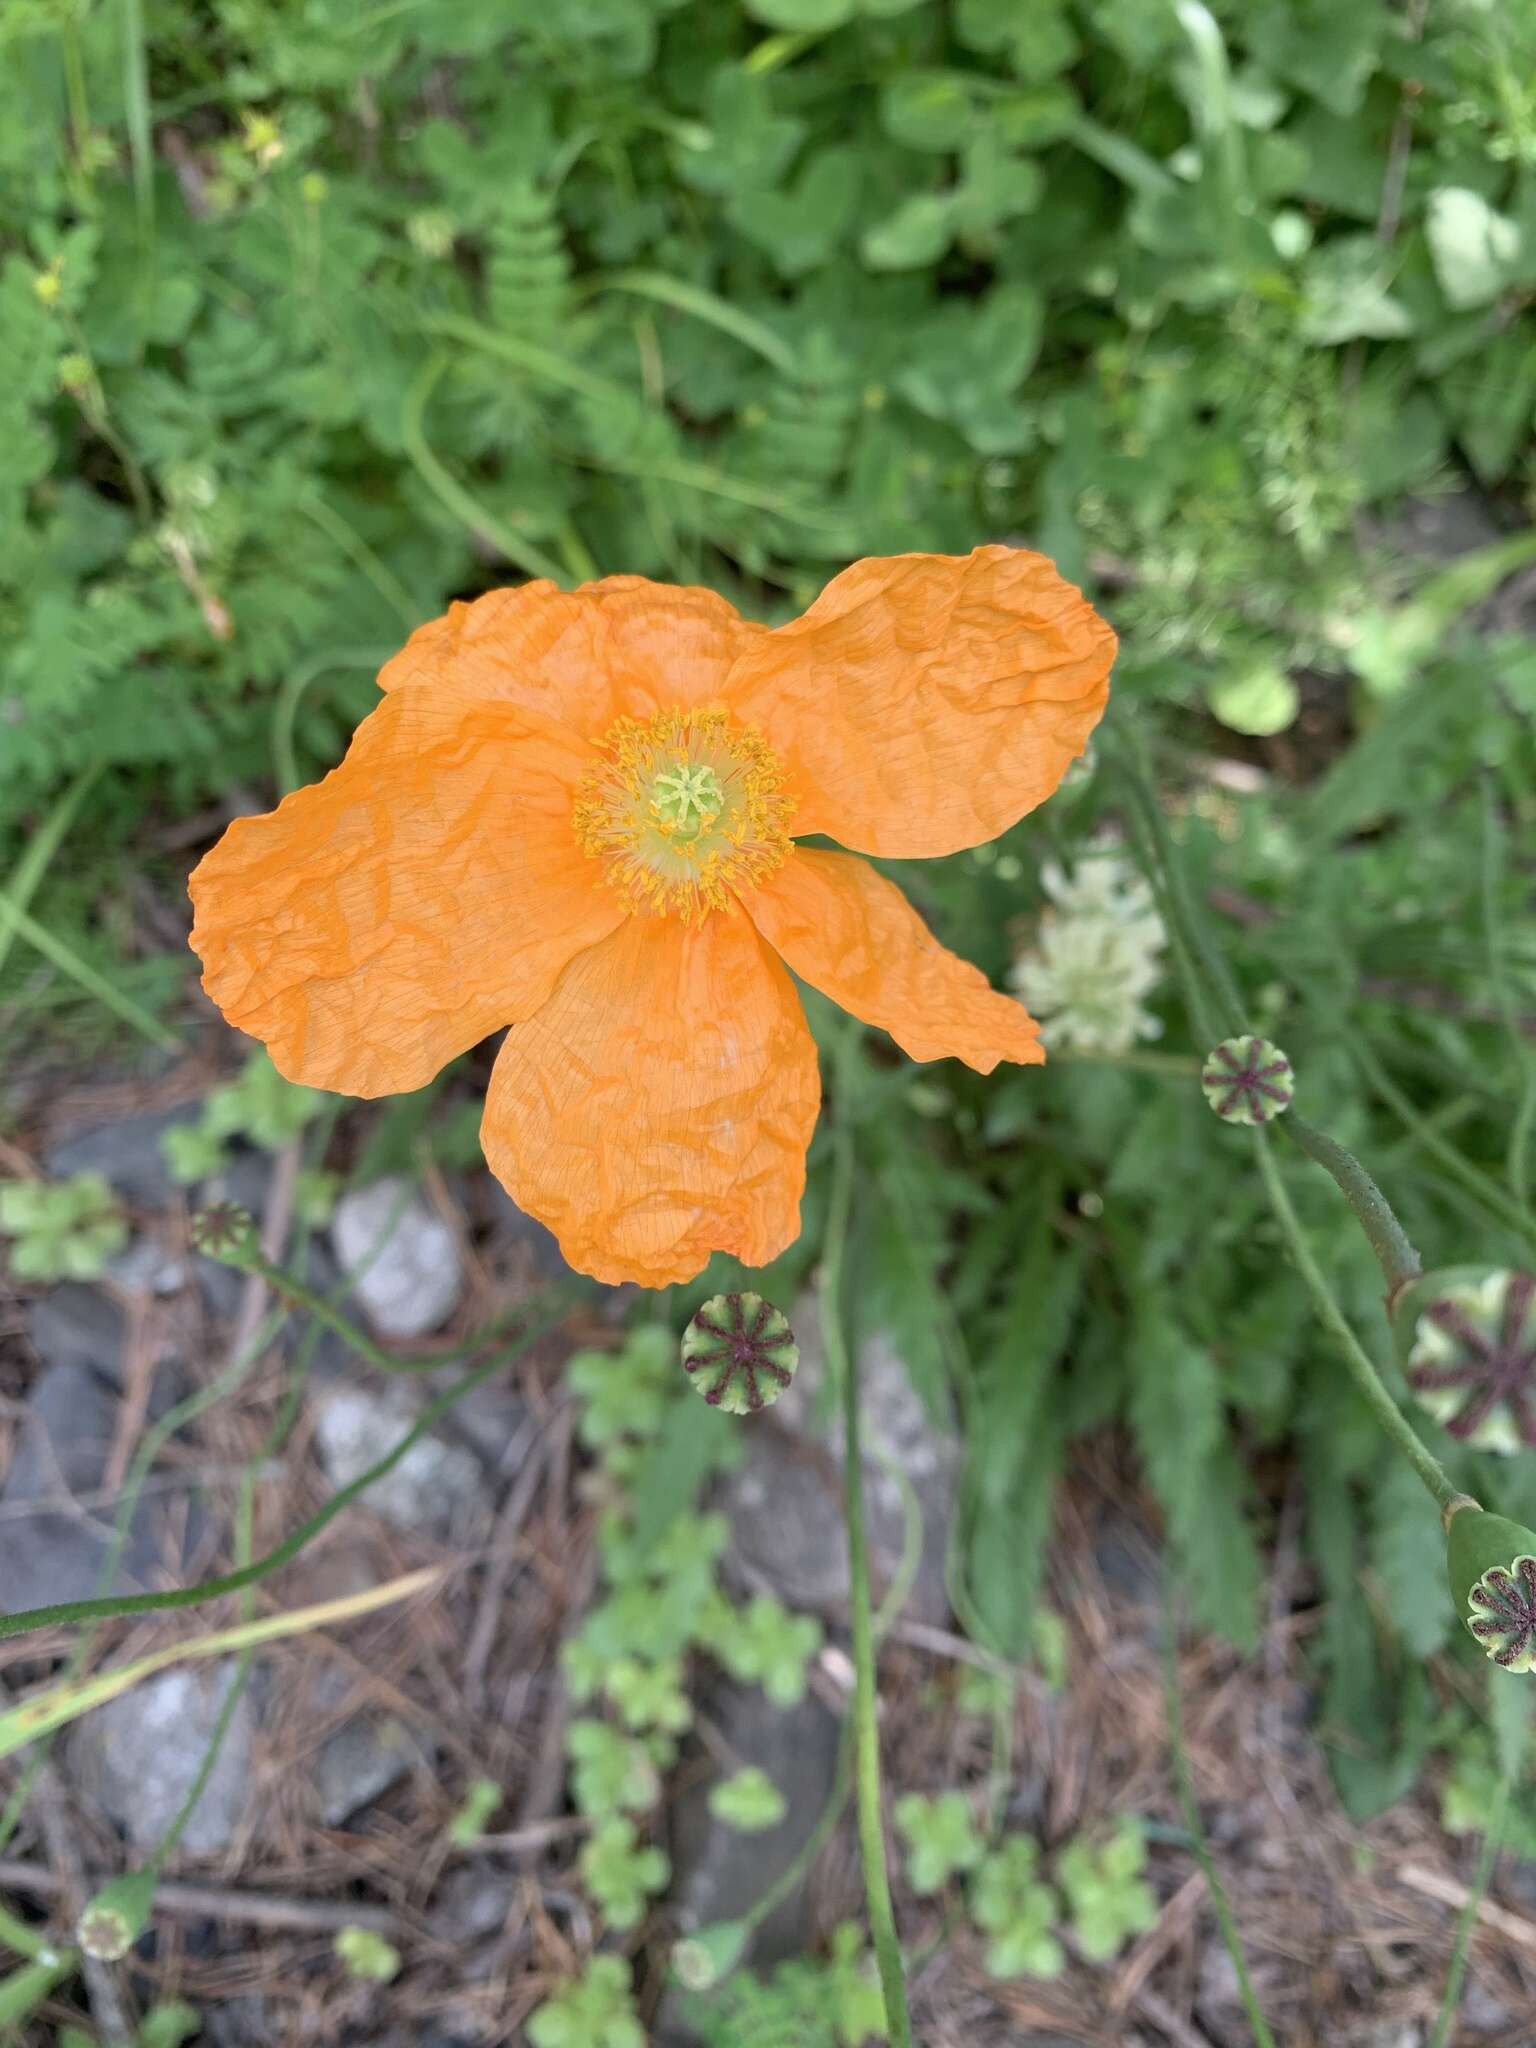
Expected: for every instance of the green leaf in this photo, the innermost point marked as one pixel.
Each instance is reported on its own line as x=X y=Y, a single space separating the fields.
x=1346 y=293
x=1009 y=1903
x=941 y=1838
x=367 y=1956
x=928 y=110
x=1407 y=1552
x=596 y=2010
x=801 y=227
x=620 y=1874
x=1181 y=1429
x=918 y=232
x=749 y=1801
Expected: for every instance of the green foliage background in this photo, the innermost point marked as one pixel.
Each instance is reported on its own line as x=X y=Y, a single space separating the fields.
x=315 y=313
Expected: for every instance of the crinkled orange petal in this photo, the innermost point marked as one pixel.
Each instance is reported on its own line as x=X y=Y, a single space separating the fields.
x=852 y=934
x=926 y=702
x=428 y=891
x=659 y=1106
x=622 y=647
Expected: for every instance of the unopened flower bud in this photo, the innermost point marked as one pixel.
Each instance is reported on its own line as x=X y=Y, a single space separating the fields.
x=1492 y=1567
x=1248 y=1080
x=117 y=1916
x=740 y=1352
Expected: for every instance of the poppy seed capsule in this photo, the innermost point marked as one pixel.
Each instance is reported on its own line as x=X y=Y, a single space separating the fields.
x=740 y=1353
x=1492 y=1567
x=117 y=1916
x=1466 y=1340
x=225 y=1231
x=1248 y=1080
x=700 y=1960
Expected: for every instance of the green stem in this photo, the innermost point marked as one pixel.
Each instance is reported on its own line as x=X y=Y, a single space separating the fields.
x=1388 y=1240
x=1369 y=1381
x=450 y=493
x=23 y=1940
x=843 y=1364
x=896 y=1594
x=43 y=845
x=1214 y=997
x=79 y=105
x=1518 y=1168
x=285 y=709
x=53 y=949
x=297 y=1293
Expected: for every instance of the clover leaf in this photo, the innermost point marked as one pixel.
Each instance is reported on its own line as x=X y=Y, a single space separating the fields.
x=1108 y=1899
x=750 y=1801
x=619 y=1873
x=63 y=1230
x=1009 y=1903
x=593 y=2011
x=941 y=1838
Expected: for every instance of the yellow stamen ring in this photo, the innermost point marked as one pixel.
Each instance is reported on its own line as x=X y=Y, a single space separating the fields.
x=684 y=811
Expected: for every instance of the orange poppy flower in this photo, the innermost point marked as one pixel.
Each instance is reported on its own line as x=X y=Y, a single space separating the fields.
x=574 y=814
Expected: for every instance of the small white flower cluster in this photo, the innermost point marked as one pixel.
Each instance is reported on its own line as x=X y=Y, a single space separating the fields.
x=1097 y=953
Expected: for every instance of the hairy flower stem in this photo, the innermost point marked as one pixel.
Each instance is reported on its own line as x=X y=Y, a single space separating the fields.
x=843 y=1363
x=1366 y=1377
x=1388 y=1240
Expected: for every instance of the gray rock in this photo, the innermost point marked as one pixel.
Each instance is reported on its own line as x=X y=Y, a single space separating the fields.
x=358 y=1764
x=401 y=1256
x=137 y=1758
x=718 y=1872
x=436 y=1488
x=243 y=2022
x=473 y=1902
x=128 y=1153
x=489 y=1422
x=784 y=1502
x=362 y=1760
x=75 y=1325
x=146 y=1267
x=56 y=1550
x=1481 y=2011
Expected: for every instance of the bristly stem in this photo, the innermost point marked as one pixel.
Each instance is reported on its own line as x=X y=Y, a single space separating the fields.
x=842 y=1362
x=1366 y=1377
x=1388 y=1239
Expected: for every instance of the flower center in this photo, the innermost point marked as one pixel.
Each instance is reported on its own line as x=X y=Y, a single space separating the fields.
x=684 y=810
